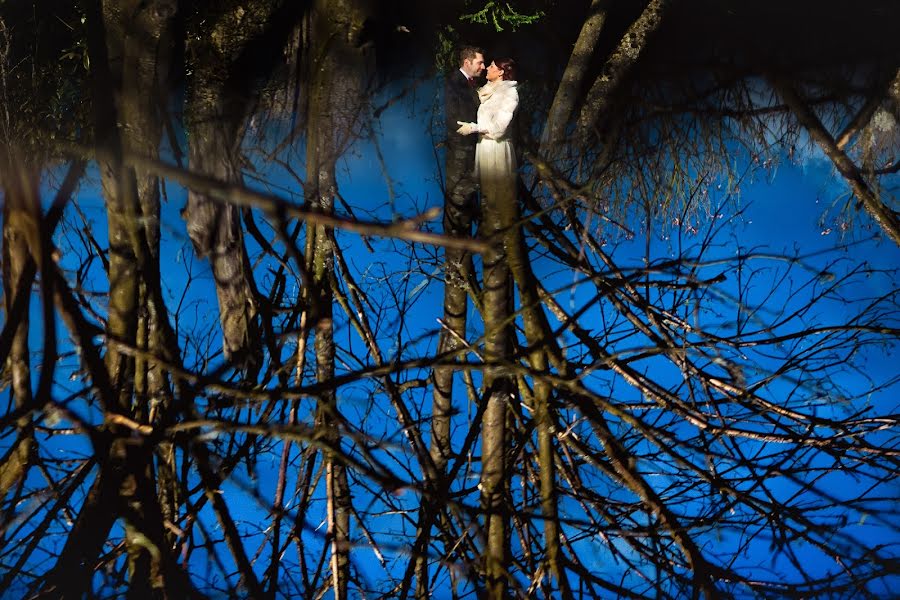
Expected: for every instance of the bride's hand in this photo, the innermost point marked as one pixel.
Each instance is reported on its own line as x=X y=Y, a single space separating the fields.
x=467 y=128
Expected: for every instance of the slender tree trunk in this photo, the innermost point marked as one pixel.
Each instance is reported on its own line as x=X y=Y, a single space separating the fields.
x=138 y=37
x=570 y=86
x=498 y=194
x=544 y=353
x=458 y=268
x=126 y=253
x=458 y=273
x=619 y=63
x=338 y=64
x=123 y=38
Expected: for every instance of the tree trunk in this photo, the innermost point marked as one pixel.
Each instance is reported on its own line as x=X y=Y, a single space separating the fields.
x=338 y=64
x=20 y=247
x=123 y=41
x=216 y=112
x=883 y=215
x=458 y=274
x=544 y=353
x=619 y=63
x=570 y=86
x=498 y=195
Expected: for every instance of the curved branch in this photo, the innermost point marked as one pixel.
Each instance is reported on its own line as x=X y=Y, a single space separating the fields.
x=884 y=216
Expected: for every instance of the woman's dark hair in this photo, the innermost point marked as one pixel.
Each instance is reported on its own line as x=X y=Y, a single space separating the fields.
x=508 y=66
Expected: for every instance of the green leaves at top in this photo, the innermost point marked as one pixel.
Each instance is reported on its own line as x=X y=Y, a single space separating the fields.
x=496 y=13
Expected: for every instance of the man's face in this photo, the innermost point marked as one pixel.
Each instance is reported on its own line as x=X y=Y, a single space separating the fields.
x=473 y=67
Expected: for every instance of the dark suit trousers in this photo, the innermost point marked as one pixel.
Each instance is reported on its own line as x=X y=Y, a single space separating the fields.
x=461 y=207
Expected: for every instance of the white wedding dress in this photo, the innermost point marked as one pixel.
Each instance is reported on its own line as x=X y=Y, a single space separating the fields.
x=495 y=157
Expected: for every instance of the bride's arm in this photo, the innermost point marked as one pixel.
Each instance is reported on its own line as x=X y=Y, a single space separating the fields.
x=493 y=123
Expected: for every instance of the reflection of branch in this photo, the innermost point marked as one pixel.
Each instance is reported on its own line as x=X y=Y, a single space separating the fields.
x=886 y=218
x=567 y=92
x=72 y=483
x=620 y=62
x=557 y=182
x=273 y=205
x=863 y=117
x=407 y=90
x=211 y=483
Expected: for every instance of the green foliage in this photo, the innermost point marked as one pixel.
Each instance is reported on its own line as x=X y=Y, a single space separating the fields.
x=493 y=13
x=496 y=13
x=44 y=70
x=445 y=52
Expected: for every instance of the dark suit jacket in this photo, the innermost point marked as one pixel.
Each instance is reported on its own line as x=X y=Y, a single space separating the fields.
x=460 y=104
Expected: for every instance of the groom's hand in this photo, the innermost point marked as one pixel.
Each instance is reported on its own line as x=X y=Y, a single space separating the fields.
x=466 y=128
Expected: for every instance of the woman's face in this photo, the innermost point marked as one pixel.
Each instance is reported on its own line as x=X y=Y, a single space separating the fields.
x=494 y=72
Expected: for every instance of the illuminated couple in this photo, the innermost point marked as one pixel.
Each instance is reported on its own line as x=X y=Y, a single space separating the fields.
x=479 y=137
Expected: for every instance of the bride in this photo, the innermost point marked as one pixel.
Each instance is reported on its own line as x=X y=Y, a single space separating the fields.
x=495 y=157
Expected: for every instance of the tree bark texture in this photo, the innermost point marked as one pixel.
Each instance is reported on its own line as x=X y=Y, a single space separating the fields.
x=886 y=218
x=619 y=63
x=136 y=35
x=544 y=353
x=21 y=213
x=216 y=114
x=570 y=85
x=498 y=202
x=338 y=63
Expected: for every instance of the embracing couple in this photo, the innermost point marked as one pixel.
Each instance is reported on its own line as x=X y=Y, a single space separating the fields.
x=479 y=145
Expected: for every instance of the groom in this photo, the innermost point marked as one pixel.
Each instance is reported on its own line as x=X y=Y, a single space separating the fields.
x=461 y=104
